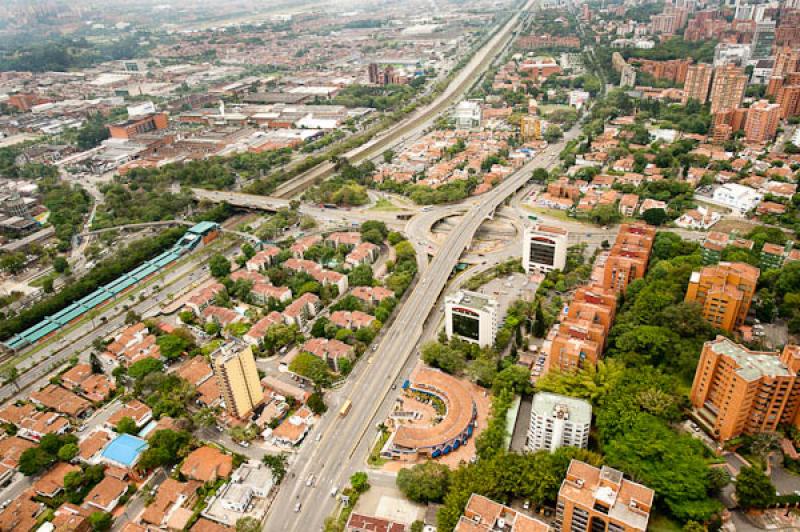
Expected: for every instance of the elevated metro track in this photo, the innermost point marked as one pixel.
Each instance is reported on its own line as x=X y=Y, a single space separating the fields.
x=418 y=120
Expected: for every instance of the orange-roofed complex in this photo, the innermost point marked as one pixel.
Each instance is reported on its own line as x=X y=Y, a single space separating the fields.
x=207 y=464
x=484 y=515
x=627 y=260
x=736 y=390
x=601 y=500
x=724 y=292
x=411 y=441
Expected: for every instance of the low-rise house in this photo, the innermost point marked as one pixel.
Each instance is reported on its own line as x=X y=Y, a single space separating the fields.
x=171 y=496
x=364 y=253
x=650 y=203
x=302 y=265
x=302 y=309
x=247 y=275
x=330 y=277
x=11 y=449
x=20 y=514
x=263 y=292
x=221 y=316
x=71 y=518
x=52 y=482
x=255 y=336
x=74 y=377
x=302 y=245
x=331 y=351
x=294 y=428
x=628 y=204
x=771 y=207
x=372 y=294
x=106 y=495
x=263 y=259
x=207 y=464
x=92 y=444
x=31 y=423
x=133 y=344
x=140 y=413
x=366 y=523
x=196 y=371
x=278 y=389
x=699 y=218
x=57 y=398
x=97 y=388
x=348 y=239
x=351 y=320
x=203 y=297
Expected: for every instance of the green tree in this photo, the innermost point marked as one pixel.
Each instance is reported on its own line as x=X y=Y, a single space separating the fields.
x=359 y=482
x=173 y=346
x=34 y=460
x=219 y=266
x=316 y=402
x=67 y=452
x=553 y=133
x=361 y=275
x=311 y=367
x=127 y=425
x=655 y=216
x=278 y=464
x=444 y=357
x=100 y=521
x=248 y=524
x=141 y=368
x=754 y=488
x=539 y=324
x=604 y=214
x=424 y=483
x=60 y=264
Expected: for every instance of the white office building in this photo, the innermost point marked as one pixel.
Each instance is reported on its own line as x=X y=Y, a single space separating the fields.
x=738 y=196
x=558 y=421
x=467 y=115
x=471 y=316
x=544 y=248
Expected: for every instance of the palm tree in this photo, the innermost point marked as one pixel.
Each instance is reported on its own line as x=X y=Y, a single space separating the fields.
x=12 y=375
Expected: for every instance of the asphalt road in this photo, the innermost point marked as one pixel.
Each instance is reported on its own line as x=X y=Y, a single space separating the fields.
x=345 y=442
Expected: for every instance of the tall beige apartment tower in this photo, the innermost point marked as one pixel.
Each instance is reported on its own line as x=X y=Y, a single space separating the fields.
x=698 y=81
x=728 y=88
x=238 y=380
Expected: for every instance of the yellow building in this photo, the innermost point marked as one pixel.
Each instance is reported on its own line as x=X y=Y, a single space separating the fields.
x=531 y=128
x=725 y=292
x=238 y=380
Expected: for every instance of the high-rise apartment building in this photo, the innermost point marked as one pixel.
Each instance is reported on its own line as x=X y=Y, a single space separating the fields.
x=530 y=128
x=736 y=390
x=728 y=88
x=471 y=316
x=558 y=421
x=698 y=82
x=578 y=340
x=544 y=248
x=601 y=500
x=763 y=39
x=762 y=121
x=627 y=260
x=724 y=292
x=238 y=380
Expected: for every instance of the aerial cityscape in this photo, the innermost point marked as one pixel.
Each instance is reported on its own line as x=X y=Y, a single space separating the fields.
x=399 y=265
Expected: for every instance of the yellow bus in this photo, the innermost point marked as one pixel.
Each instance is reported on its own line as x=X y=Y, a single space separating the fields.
x=345 y=408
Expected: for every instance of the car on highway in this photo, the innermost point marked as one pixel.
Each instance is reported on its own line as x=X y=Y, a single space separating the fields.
x=310 y=481
x=298 y=506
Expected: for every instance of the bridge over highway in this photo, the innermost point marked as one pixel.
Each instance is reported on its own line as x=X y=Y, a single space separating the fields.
x=239 y=199
x=345 y=442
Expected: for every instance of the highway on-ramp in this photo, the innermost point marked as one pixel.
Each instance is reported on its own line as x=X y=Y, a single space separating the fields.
x=339 y=446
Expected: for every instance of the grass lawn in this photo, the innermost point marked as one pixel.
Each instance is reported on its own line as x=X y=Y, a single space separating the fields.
x=39 y=282
x=385 y=205
x=375 y=459
x=662 y=523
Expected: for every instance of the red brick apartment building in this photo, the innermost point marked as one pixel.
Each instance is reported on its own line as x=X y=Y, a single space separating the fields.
x=736 y=390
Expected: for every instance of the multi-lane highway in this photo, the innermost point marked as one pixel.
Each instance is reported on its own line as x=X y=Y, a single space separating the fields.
x=339 y=445
x=420 y=119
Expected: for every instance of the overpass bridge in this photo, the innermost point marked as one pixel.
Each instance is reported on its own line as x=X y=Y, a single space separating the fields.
x=239 y=199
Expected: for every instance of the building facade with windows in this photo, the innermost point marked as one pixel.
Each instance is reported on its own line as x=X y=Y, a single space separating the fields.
x=737 y=390
x=238 y=380
x=544 y=248
x=601 y=500
x=724 y=292
x=558 y=421
x=471 y=316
